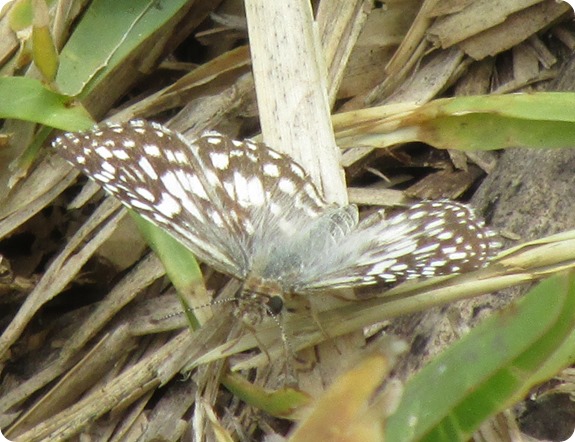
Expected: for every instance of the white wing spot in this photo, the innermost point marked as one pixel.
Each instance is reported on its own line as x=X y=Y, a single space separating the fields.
x=251 y=145
x=435 y=223
x=152 y=150
x=197 y=187
x=445 y=235
x=181 y=157
x=99 y=177
x=146 y=194
x=256 y=191
x=110 y=176
x=399 y=267
x=388 y=277
x=216 y=218
x=140 y=205
x=104 y=152
x=438 y=263
x=297 y=170
x=213 y=179
x=147 y=168
x=108 y=168
x=271 y=170
x=286 y=185
x=215 y=140
x=121 y=154
x=173 y=185
x=170 y=156
x=428 y=248
x=220 y=160
x=274 y=154
x=417 y=215
x=242 y=190
x=139 y=175
x=168 y=205
x=405 y=249
x=382 y=266
x=311 y=192
x=230 y=189
x=274 y=208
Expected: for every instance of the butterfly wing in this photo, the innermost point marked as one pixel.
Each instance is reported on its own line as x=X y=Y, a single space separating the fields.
x=165 y=179
x=429 y=239
x=223 y=199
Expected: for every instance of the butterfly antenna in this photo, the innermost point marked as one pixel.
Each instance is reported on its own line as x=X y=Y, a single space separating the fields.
x=198 y=307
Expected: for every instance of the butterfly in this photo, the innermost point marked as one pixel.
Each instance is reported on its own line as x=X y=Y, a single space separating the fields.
x=253 y=213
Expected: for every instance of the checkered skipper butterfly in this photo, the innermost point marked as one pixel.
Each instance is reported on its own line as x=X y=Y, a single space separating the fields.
x=252 y=213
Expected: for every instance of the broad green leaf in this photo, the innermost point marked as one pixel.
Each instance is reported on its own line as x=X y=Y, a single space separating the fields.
x=27 y=99
x=491 y=368
x=107 y=33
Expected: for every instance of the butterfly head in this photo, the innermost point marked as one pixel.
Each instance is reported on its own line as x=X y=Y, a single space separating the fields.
x=259 y=299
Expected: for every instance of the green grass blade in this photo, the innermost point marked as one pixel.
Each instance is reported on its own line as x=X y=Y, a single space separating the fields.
x=538 y=120
x=179 y=262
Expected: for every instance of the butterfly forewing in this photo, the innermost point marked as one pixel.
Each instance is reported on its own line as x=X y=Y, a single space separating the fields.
x=158 y=174
x=222 y=198
x=265 y=192
x=253 y=213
